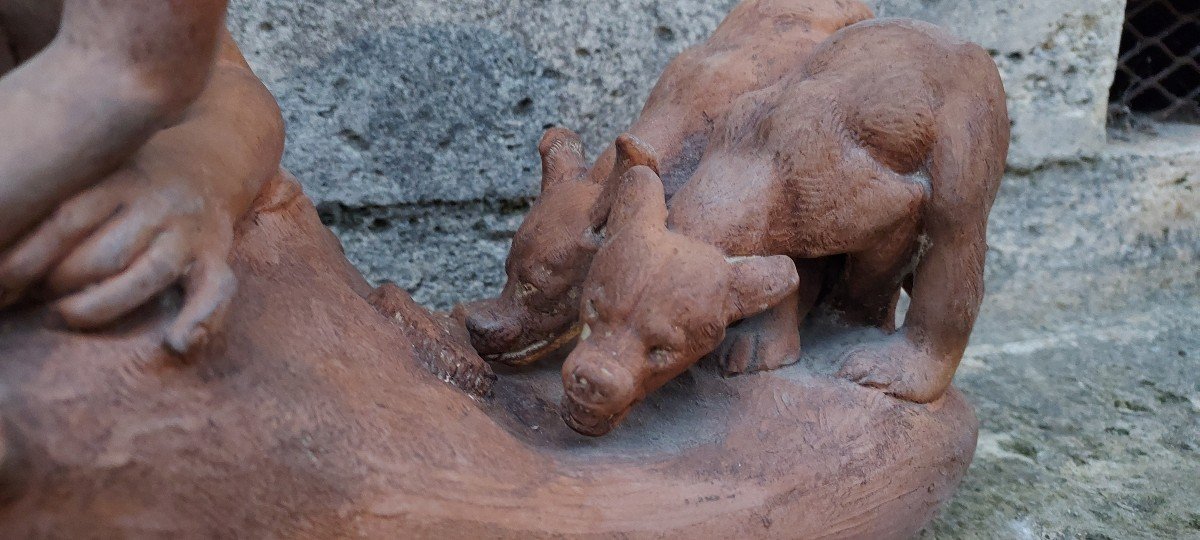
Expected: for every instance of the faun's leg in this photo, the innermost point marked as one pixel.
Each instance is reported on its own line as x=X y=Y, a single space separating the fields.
x=919 y=362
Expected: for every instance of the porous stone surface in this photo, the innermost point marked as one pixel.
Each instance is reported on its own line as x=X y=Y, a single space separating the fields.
x=1084 y=364
x=415 y=101
x=420 y=101
x=441 y=254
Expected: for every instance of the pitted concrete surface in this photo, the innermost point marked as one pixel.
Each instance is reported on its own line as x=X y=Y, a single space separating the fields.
x=1089 y=426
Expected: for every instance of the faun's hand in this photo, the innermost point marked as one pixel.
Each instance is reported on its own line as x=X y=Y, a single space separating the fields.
x=153 y=224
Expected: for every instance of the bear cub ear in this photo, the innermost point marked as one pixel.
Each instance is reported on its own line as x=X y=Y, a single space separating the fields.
x=562 y=157
x=633 y=152
x=639 y=201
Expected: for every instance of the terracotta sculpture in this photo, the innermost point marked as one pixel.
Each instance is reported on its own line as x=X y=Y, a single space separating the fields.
x=538 y=310
x=323 y=409
x=884 y=148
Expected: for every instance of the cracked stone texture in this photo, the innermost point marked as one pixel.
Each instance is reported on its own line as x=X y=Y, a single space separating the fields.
x=1085 y=365
x=418 y=101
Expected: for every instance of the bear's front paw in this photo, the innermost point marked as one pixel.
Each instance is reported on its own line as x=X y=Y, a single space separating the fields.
x=899 y=368
x=749 y=348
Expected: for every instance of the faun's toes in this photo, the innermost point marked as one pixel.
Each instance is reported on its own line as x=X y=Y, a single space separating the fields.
x=875 y=380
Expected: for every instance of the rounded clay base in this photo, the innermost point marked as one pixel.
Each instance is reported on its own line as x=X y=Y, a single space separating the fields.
x=311 y=418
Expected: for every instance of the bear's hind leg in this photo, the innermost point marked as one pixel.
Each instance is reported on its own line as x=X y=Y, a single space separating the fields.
x=868 y=289
x=918 y=362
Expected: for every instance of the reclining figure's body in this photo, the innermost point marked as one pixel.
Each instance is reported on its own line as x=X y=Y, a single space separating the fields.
x=759 y=42
x=312 y=416
x=885 y=147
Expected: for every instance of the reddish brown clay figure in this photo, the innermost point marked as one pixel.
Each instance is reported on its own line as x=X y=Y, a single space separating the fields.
x=148 y=148
x=538 y=310
x=315 y=414
x=886 y=147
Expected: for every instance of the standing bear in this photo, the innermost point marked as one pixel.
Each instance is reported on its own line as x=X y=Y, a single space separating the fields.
x=759 y=43
x=879 y=156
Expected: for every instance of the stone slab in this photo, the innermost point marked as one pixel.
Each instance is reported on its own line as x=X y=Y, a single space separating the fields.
x=422 y=101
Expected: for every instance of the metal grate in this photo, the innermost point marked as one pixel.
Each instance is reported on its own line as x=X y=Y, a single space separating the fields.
x=1158 y=72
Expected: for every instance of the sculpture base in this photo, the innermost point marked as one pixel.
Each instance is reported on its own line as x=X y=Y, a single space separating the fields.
x=313 y=418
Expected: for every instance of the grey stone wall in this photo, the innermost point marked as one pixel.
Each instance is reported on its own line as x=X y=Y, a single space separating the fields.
x=413 y=123
x=400 y=102
x=419 y=101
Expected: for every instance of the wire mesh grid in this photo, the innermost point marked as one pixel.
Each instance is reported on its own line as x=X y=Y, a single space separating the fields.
x=1158 y=72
